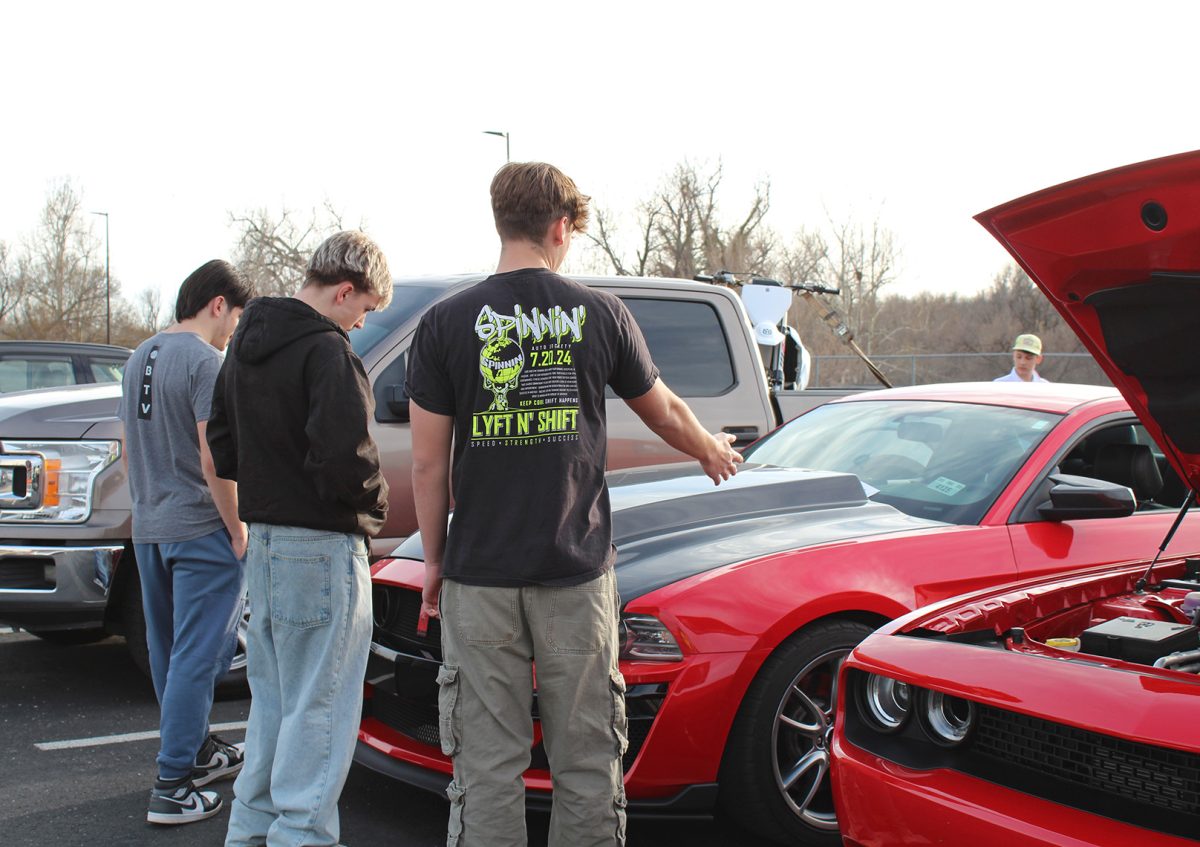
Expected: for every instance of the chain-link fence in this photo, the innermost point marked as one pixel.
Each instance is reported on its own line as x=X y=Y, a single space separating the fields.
x=924 y=368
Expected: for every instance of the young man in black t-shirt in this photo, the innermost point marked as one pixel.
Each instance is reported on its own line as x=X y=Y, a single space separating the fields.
x=507 y=381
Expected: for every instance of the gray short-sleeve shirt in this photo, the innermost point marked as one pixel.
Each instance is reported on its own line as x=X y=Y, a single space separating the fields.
x=167 y=390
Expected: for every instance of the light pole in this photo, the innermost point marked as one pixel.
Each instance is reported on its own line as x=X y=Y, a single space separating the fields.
x=504 y=135
x=107 y=287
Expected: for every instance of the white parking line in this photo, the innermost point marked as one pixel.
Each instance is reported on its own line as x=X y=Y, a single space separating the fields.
x=101 y=740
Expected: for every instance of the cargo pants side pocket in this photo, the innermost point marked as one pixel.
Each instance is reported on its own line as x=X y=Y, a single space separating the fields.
x=620 y=724
x=449 y=720
x=454 y=827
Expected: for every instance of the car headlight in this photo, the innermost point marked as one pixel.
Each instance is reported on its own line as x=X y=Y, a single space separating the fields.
x=886 y=703
x=55 y=480
x=646 y=638
x=947 y=720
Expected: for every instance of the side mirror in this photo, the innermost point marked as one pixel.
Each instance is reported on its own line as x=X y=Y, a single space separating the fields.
x=397 y=402
x=1074 y=498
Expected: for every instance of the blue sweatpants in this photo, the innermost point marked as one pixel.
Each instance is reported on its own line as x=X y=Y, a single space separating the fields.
x=192 y=595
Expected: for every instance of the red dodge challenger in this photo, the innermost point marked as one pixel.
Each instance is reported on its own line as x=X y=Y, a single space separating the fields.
x=1061 y=711
x=741 y=602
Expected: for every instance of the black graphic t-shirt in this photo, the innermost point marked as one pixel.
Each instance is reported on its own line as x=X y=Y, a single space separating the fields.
x=520 y=362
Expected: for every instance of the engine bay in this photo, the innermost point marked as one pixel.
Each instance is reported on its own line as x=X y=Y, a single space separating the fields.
x=1158 y=626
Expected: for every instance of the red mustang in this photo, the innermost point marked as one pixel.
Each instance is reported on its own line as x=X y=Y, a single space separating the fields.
x=740 y=602
x=1059 y=711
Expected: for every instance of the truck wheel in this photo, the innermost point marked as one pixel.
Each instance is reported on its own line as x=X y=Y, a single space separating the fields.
x=71 y=636
x=231 y=686
x=775 y=775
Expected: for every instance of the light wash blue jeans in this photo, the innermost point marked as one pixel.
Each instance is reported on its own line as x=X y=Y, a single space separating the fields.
x=192 y=599
x=310 y=631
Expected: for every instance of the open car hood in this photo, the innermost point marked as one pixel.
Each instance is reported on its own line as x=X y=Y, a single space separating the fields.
x=1118 y=254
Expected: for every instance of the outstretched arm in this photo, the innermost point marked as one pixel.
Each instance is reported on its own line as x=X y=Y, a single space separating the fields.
x=672 y=421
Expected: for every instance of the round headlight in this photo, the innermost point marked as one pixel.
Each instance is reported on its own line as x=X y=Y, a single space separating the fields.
x=948 y=720
x=886 y=702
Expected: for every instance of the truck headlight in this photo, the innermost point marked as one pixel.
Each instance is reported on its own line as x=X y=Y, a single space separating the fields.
x=60 y=479
x=886 y=702
x=646 y=638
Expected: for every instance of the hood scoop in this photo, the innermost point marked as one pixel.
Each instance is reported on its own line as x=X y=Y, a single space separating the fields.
x=656 y=503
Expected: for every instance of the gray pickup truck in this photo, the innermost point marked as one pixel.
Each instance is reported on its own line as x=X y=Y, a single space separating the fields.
x=67 y=570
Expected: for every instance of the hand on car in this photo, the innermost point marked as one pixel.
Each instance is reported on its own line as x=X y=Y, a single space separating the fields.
x=723 y=460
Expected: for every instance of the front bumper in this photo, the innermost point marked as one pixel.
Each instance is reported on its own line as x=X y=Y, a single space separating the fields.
x=882 y=803
x=679 y=715
x=45 y=587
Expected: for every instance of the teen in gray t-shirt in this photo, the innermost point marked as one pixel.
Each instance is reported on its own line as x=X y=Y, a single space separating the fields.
x=167 y=390
x=188 y=539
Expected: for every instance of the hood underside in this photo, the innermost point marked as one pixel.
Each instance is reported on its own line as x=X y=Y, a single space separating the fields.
x=1118 y=254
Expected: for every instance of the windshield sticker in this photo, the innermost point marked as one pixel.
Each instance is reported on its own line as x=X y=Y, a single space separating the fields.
x=869 y=490
x=947 y=486
x=1039 y=424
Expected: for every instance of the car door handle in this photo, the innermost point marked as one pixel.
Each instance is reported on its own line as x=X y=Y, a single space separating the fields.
x=743 y=435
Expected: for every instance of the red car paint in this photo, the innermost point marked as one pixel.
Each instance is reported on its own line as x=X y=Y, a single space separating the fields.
x=730 y=619
x=1132 y=234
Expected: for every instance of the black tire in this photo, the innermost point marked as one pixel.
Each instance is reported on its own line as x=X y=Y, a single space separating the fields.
x=232 y=686
x=68 y=637
x=775 y=775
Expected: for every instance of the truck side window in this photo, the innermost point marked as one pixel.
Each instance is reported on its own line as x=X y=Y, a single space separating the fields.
x=21 y=373
x=688 y=344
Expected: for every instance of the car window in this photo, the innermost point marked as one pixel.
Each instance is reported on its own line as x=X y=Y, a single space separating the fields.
x=687 y=343
x=1087 y=457
x=21 y=373
x=944 y=461
x=407 y=301
x=106 y=370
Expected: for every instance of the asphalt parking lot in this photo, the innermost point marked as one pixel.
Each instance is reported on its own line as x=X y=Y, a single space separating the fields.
x=78 y=739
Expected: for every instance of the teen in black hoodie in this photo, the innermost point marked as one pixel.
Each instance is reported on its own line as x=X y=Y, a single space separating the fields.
x=289 y=423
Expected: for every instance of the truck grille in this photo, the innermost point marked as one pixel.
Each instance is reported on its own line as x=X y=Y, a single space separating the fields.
x=414 y=712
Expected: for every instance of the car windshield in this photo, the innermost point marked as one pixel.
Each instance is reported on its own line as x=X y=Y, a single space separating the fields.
x=942 y=461
x=407 y=300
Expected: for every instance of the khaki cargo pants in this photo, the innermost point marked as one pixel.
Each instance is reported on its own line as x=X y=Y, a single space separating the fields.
x=489 y=636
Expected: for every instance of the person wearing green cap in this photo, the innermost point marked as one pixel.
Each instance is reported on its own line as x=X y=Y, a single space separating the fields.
x=1027 y=355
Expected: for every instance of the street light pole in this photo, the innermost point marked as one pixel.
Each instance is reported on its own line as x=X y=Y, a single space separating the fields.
x=504 y=135
x=107 y=286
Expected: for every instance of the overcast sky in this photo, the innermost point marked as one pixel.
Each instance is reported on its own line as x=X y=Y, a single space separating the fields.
x=170 y=116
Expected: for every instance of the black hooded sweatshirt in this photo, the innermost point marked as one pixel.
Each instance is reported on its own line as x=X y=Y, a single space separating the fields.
x=289 y=423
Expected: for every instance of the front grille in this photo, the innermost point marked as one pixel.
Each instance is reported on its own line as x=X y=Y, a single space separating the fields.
x=1129 y=771
x=405 y=695
x=1146 y=785
x=397 y=611
x=1140 y=784
x=418 y=721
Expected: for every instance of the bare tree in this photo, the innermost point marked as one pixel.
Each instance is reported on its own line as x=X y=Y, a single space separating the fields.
x=680 y=233
x=12 y=283
x=274 y=250
x=149 y=310
x=60 y=278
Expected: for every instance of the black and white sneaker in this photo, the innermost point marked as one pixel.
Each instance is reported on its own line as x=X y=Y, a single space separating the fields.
x=176 y=801
x=217 y=759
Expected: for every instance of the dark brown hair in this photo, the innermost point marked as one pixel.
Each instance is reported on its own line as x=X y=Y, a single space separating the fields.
x=529 y=196
x=216 y=278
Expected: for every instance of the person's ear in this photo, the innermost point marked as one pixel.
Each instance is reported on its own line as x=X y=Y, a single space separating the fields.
x=217 y=306
x=343 y=291
x=559 y=230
